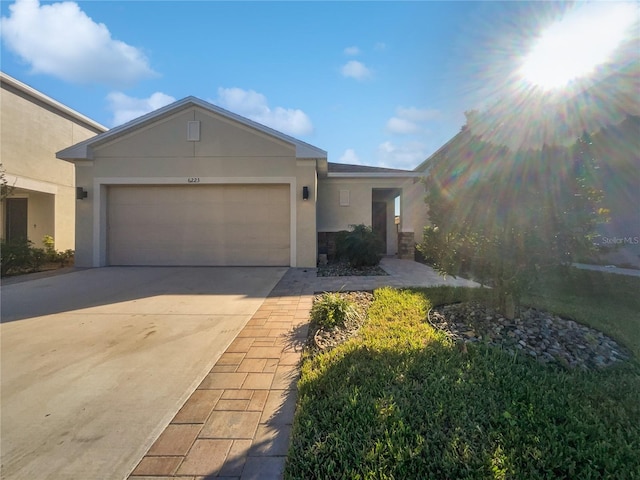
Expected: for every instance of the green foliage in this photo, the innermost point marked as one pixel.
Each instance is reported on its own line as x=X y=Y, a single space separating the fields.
x=332 y=310
x=361 y=246
x=401 y=401
x=20 y=256
x=341 y=246
x=63 y=258
x=5 y=188
x=38 y=257
x=49 y=246
x=15 y=256
x=502 y=216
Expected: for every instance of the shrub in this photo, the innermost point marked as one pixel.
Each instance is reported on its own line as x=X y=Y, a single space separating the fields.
x=49 y=246
x=63 y=258
x=37 y=258
x=20 y=256
x=362 y=247
x=15 y=256
x=483 y=226
x=341 y=245
x=332 y=310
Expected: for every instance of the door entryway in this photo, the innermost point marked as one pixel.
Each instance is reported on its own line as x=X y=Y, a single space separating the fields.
x=379 y=223
x=16 y=219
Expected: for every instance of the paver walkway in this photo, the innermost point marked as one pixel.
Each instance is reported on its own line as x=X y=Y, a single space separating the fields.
x=237 y=423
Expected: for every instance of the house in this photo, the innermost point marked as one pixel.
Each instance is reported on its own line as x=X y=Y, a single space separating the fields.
x=194 y=184
x=616 y=149
x=43 y=197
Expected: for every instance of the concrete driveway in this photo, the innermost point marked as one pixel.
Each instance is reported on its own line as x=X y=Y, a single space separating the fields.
x=95 y=363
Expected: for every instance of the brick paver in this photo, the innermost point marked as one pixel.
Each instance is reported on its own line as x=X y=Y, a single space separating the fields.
x=237 y=423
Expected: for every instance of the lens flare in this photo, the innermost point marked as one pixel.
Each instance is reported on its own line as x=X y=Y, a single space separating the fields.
x=578 y=44
x=543 y=73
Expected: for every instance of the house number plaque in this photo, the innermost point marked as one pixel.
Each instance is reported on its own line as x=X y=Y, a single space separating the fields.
x=193 y=180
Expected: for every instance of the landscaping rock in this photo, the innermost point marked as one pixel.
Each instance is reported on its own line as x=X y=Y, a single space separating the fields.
x=542 y=335
x=322 y=339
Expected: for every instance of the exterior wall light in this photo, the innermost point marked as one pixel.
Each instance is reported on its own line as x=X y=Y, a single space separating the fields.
x=81 y=193
x=305 y=193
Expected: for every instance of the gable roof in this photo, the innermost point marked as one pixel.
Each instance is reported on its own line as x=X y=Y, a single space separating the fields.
x=349 y=170
x=428 y=162
x=11 y=83
x=82 y=150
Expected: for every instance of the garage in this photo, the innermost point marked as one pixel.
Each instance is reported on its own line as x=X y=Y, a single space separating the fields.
x=193 y=184
x=219 y=224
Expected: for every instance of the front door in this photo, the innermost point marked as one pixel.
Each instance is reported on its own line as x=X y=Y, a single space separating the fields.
x=379 y=222
x=16 y=219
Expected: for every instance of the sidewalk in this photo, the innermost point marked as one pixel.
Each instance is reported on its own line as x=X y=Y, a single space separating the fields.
x=608 y=269
x=237 y=423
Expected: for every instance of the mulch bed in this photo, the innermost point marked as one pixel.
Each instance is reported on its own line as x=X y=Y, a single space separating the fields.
x=346 y=270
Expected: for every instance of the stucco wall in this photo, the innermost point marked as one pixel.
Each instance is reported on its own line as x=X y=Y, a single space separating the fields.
x=160 y=153
x=332 y=217
x=32 y=132
x=415 y=214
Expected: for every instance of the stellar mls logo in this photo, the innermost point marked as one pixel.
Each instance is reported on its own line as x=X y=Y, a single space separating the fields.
x=621 y=240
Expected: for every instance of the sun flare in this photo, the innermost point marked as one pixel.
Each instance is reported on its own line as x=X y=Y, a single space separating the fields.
x=578 y=44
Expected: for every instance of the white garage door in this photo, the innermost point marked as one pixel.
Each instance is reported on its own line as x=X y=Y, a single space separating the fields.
x=199 y=225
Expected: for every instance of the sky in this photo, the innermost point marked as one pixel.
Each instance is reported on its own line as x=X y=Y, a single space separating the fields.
x=373 y=83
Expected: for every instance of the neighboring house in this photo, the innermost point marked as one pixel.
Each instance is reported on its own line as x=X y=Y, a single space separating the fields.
x=43 y=197
x=616 y=148
x=194 y=184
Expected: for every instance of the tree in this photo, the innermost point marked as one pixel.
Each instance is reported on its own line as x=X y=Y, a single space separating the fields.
x=502 y=216
x=5 y=188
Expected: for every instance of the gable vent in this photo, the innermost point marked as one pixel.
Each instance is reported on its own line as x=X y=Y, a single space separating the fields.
x=193 y=131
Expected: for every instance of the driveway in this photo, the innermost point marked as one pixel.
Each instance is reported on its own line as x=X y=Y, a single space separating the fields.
x=95 y=363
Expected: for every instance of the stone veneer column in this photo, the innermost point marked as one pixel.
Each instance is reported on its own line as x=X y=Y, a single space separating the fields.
x=406 y=246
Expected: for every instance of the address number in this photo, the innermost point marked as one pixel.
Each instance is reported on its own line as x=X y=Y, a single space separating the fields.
x=193 y=180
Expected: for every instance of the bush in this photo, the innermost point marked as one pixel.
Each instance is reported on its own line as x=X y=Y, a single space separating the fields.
x=341 y=245
x=15 y=256
x=20 y=256
x=63 y=258
x=362 y=247
x=49 y=247
x=37 y=259
x=332 y=310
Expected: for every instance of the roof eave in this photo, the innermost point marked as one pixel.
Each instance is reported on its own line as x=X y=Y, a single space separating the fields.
x=375 y=175
x=23 y=87
x=303 y=150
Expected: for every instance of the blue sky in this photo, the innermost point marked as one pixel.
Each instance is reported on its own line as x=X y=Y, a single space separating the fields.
x=376 y=83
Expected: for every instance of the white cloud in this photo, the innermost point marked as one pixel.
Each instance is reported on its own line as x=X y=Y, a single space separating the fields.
x=380 y=46
x=352 y=51
x=254 y=105
x=59 y=39
x=417 y=114
x=127 y=108
x=406 y=156
x=408 y=119
x=349 y=156
x=355 y=69
x=402 y=126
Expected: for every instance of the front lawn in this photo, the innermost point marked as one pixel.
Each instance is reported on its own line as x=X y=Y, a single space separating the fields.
x=401 y=401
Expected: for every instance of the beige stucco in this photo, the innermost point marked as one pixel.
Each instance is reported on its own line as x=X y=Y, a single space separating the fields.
x=333 y=217
x=34 y=128
x=158 y=153
x=415 y=213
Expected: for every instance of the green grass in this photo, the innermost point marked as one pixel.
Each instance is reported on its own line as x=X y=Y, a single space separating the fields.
x=403 y=402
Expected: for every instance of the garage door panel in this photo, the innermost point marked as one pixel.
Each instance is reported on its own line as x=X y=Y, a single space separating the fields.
x=199 y=225
x=278 y=256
